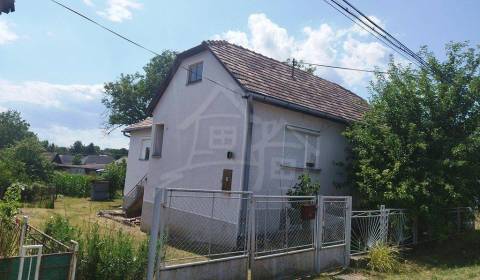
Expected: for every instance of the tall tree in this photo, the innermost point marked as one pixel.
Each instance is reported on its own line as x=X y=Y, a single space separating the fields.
x=77 y=148
x=12 y=128
x=419 y=145
x=127 y=98
x=91 y=149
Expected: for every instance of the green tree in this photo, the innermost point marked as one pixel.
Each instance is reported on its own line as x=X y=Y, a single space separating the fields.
x=77 y=148
x=12 y=128
x=419 y=145
x=127 y=98
x=77 y=159
x=115 y=173
x=91 y=149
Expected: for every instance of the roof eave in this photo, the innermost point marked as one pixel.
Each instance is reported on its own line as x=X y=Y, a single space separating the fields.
x=295 y=107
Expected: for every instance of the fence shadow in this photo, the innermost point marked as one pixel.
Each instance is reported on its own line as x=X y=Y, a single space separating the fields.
x=456 y=251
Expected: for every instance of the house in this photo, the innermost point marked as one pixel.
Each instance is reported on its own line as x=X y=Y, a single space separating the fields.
x=89 y=164
x=228 y=118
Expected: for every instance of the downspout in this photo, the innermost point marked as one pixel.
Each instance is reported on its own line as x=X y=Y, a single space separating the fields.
x=247 y=149
x=125 y=134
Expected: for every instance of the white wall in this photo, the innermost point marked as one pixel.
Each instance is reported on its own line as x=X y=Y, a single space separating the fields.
x=136 y=167
x=193 y=155
x=267 y=175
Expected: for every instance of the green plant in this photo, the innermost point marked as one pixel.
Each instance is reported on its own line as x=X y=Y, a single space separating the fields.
x=75 y=185
x=38 y=195
x=418 y=146
x=10 y=203
x=9 y=231
x=115 y=173
x=60 y=228
x=77 y=159
x=304 y=186
x=383 y=258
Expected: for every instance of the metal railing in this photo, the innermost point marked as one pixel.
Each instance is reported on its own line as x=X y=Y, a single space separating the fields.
x=134 y=193
x=202 y=225
x=335 y=217
x=284 y=223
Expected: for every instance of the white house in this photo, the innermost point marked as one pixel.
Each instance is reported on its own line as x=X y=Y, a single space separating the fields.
x=227 y=118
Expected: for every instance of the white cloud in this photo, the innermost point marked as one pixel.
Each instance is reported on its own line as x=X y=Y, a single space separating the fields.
x=47 y=94
x=348 y=47
x=65 y=136
x=88 y=3
x=6 y=34
x=120 y=10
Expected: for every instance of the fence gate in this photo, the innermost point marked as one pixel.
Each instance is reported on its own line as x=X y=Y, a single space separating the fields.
x=283 y=236
x=334 y=231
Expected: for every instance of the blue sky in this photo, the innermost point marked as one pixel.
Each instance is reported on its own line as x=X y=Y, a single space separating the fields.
x=53 y=63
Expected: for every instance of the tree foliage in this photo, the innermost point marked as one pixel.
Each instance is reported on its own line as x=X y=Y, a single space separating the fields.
x=127 y=98
x=12 y=128
x=419 y=145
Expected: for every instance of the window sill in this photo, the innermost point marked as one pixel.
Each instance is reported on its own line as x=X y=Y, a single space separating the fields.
x=142 y=159
x=193 y=82
x=301 y=168
x=156 y=156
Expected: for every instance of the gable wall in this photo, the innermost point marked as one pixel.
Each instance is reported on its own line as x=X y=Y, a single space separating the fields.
x=136 y=168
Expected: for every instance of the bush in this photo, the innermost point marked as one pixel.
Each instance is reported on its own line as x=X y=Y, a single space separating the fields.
x=75 y=185
x=38 y=195
x=59 y=228
x=383 y=258
x=9 y=206
x=10 y=203
x=115 y=173
x=115 y=255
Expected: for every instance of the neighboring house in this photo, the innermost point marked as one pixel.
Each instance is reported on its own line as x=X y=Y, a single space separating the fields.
x=90 y=164
x=227 y=118
x=138 y=152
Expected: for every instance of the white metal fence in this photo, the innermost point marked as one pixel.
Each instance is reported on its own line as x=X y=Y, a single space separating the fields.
x=205 y=234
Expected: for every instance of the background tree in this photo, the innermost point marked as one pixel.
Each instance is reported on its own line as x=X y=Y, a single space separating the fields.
x=77 y=159
x=12 y=128
x=91 y=149
x=419 y=145
x=77 y=148
x=127 y=98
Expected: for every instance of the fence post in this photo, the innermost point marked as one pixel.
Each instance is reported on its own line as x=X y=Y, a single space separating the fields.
x=73 y=267
x=155 y=229
x=316 y=235
x=348 y=229
x=23 y=233
x=383 y=224
x=415 y=230
x=252 y=234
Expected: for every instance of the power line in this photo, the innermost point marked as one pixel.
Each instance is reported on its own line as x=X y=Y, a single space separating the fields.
x=343 y=68
x=104 y=27
x=385 y=42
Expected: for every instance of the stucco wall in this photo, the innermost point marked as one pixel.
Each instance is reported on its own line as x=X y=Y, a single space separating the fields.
x=267 y=175
x=136 y=167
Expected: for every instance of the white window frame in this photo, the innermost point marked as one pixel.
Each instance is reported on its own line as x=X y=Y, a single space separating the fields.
x=144 y=147
x=308 y=132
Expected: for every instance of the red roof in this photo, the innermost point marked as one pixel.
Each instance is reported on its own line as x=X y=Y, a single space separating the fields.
x=146 y=123
x=272 y=79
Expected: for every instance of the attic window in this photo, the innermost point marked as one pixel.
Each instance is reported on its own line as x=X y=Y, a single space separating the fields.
x=158 y=131
x=195 y=72
x=145 y=150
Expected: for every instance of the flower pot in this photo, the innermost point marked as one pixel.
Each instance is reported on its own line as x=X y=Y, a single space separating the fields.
x=308 y=211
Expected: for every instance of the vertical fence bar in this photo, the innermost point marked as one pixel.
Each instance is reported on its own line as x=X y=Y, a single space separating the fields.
x=383 y=224
x=317 y=234
x=252 y=235
x=73 y=267
x=212 y=212
x=348 y=229
x=23 y=233
x=152 y=243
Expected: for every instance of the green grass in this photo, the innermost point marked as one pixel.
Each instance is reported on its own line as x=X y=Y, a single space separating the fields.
x=82 y=213
x=456 y=258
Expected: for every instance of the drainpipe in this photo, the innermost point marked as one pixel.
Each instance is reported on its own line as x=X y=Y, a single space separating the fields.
x=247 y=148
x=125 y=134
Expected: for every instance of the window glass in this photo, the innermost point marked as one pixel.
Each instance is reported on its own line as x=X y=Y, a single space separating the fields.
x=300 y=148
x=145 y=149
x=158 y=140
x=195 y=72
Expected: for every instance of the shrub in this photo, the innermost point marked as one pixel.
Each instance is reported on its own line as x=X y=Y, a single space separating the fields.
x=75 y=185
x=38 y=195
x=9 y=206
x=59 y=227
x=383 y=258
x=114 y=255
x=10 y=203
x=115 y=174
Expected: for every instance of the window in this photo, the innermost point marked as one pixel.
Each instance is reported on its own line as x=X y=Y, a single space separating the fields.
x=158 y=131
x=195 y=72
x=145 y=149
x=301 y=147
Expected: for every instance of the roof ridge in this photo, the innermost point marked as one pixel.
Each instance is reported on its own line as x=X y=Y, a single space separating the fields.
x=225 y=42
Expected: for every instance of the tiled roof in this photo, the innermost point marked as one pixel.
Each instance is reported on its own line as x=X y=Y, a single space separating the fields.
x=97 y=159
x=146 y=123
x=271 y=79
x=266 y=76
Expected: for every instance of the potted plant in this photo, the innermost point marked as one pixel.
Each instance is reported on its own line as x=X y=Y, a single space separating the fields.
x=304 y=187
